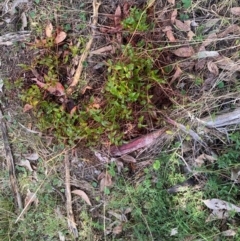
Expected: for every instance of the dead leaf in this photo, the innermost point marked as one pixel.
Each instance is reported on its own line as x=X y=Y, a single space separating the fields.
x=200 y=159
x=73 y=111
x=60 y=37
x=169 y=33
x=57 y=89
x=24 y=21
x=182 y=26
x=118 y=229
x=217 y=214
x=216 y=204
x=235 y=11
x=210 y=38
x=176 y=75
x=31 y=156
x=228 y=233
x=231 y=29
x=26 y=164
x=27 y=107
x=83 y=195
x=106 y=181
x=171 y=2
x=212 y=67
x=227 y=64
x=119 y=166
x=128 y=159
x=190 y=35
x=117 y=16
x=173 y=15
x=48 y=30
x=207 y=54
x=101 y=157
x=200 y=64
x=30 y=198
x=174 y=231
x=184 y=52
x=235 y=173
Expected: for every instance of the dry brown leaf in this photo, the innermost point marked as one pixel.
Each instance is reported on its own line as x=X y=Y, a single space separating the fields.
x=176 y=75
x=200 y=159
x=128 y=159
x=57 y=89
x=117 y=16
x=190 y=35
x=60 y=37
x=171 y=2
x=118 y=229
x=227 y=64
x=169 y=33
x=48 y=30
x=83 y=195
x=184 y=52
x=106 y=181
x=182 y=26
x=210 y=38
x=173 y=15
x=212 y=67
x=231 y=29
x=26 y=164
x=32 y=156
x=235 y=11
x=30 y=198
x=27 y=107
x=170 y=36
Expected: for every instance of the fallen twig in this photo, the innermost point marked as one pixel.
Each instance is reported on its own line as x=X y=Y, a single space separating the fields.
x=71 y=221
x=85 y=53
x=138 y=143
x=10 y=163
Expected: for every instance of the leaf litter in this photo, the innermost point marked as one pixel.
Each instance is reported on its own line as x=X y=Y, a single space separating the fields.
x=213 y=63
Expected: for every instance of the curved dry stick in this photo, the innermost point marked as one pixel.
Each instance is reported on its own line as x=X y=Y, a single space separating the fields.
x=85 y=53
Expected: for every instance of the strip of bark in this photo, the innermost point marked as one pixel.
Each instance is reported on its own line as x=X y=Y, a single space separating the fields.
x=10 y=163
x=138 y=143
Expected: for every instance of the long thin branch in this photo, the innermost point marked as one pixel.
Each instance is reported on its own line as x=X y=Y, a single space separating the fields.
x=76 y=78
x=70 y=216
x=10 y=163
